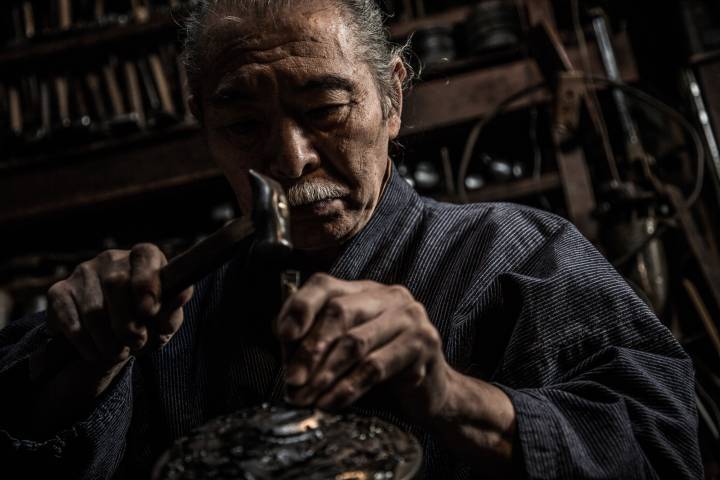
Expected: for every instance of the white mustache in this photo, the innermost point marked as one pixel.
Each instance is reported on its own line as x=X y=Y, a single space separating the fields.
x=313 y=191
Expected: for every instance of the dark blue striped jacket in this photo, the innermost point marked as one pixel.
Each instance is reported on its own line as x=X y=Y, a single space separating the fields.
x=521 y=299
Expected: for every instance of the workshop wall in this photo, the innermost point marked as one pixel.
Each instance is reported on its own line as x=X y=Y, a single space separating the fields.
x=602 y=111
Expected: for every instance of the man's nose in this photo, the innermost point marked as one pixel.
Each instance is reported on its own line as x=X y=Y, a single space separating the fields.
x=293 y=153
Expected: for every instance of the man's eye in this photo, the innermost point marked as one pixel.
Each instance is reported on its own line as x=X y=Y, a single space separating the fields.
x=328 y=113
x=245 y=127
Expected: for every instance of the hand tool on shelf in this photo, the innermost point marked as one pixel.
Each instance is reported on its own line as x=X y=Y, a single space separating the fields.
x=28 y=19
x=75 y=124
x=16 y=24
x=132 y=82
x=140 y=10
x=160 y=111
x=163 y=86
x=122 y=122
x=15 y=107
x=92 y=80
x=184 y=89
x=65 y=17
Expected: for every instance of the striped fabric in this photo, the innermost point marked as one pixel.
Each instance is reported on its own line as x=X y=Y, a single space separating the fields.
x=521 y=299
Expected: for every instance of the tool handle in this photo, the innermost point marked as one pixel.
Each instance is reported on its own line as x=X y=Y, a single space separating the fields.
x=204 y=257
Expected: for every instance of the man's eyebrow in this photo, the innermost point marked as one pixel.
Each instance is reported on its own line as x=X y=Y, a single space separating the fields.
x=233 y=94
x=328 y=82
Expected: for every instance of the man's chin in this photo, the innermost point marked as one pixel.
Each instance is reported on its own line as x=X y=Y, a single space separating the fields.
x=319 y=233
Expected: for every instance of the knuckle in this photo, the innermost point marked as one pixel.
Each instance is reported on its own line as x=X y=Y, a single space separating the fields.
x=300 y=305
x=401 y=292
x=312 y=350
x=145 y=249
x=142 y=280
x=415 y=310
x=354 y=345
x=115 y=279
x=59 y=298
x=84 y=271
x=348 y=390
x=163 y=339
x=58 y=291
x=110 y=256
x=337 y=309
x=432 y=338
x=320 y=279
x=185 y=296
x=323 y=380
x=373 y=370
x=91 y=309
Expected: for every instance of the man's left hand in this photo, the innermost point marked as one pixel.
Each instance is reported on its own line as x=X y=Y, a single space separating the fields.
x=343 y=338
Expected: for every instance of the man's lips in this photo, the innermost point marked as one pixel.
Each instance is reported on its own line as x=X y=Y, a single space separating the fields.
x=328 y=206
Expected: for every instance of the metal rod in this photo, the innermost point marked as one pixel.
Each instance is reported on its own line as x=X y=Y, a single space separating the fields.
x=701 y=113
x=609 y=60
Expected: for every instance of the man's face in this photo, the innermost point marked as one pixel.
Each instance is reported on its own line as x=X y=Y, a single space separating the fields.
x=291 y=99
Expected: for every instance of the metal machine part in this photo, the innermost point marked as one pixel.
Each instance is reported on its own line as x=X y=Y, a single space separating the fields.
x=281 y=443
x=426 y=176
x=630 y=220
x=491 y=25
x=434 y=45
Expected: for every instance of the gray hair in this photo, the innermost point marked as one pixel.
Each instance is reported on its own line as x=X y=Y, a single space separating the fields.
x=366 y=19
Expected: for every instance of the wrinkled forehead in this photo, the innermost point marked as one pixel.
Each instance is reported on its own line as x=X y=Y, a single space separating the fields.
x=313 y=36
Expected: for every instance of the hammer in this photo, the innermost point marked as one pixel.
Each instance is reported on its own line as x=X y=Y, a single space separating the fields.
x=269 y=221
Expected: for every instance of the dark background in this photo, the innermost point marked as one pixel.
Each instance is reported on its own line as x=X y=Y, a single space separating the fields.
x=97 y=148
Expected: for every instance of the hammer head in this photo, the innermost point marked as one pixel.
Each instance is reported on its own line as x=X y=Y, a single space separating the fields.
x=270 y=217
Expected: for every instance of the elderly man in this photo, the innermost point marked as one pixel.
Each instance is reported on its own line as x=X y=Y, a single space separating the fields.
x=495 y=333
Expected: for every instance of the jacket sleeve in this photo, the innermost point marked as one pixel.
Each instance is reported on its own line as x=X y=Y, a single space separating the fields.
x=91 y=448
x=600 y=387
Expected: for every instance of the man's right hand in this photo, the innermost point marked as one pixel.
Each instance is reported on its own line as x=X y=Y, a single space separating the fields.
x=109 y=309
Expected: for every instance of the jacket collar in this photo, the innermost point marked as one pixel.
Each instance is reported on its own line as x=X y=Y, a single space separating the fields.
x=397 y=212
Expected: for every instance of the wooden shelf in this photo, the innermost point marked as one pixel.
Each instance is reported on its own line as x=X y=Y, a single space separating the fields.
x=116 y=173
x=95 y=37
x=100 y=147
x=447 y=18
x=459 y=98
x=45 y=48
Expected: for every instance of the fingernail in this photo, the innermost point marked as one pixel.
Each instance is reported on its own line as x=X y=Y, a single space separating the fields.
x=297 y=375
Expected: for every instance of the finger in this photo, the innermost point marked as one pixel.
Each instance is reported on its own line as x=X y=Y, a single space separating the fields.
x=88 y=296
x=299 y=311
x=146 y=260
x=333 y=320
x=398 y=355
x=64 y=319
x=340 y=313
x=163 y=326
x=115 y=282
x=350 y=349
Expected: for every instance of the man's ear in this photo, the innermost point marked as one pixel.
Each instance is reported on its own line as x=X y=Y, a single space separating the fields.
x=195 y=108
x=396 y=99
